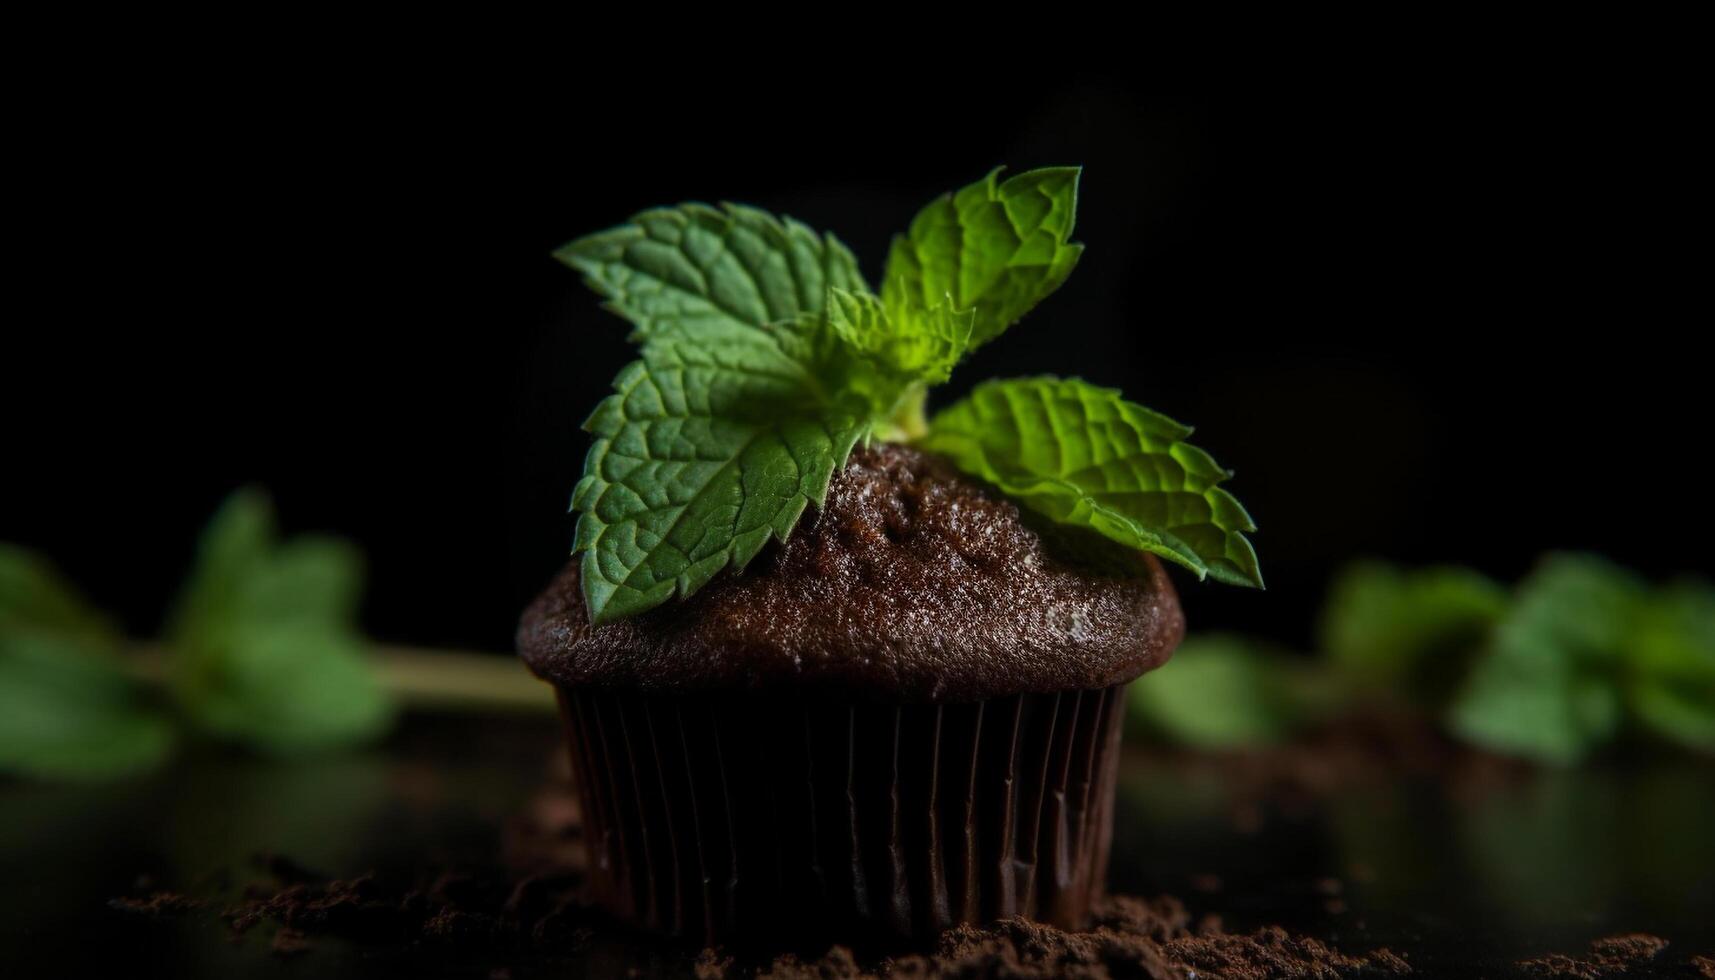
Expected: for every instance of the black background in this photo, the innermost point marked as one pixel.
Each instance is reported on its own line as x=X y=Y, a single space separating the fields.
x=1432 y=327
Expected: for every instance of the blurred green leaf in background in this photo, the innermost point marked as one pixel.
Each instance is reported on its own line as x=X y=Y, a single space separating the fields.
x=264 y=642
x=1671 y=690
x=263 y=650
x=1587 y=651
x=1225 y=690
x=1547 y=686
x=1408 y=633
x=35 y=598
x=68 y=708
x=1581 y=653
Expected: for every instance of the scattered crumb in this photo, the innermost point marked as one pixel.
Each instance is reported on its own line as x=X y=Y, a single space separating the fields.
x=1612 y=956
x=159 y=904
x=1129 y=937
x=1272 y=952
x=288 y=943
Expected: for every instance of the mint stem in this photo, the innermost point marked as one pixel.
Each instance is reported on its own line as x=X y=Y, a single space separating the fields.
x=909 y=420
x=437 y=680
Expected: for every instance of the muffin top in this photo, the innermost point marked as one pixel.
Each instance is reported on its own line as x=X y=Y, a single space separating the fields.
x=912 y=583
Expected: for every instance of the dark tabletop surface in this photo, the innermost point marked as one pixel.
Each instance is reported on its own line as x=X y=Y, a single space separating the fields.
x=1464 y=870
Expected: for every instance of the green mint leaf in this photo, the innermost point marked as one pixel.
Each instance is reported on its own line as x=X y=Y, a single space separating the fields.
x=34 y=596
x=68 y=710
x=311 y=578
x=1411 y=632
x=923 y=349
x=265 y=643
x=233 y=546
x=1548 y=688
x=697 y=272
x=1223 y=690
x=745 y=399
x=243 y=576
x=702 y=454
x=995 y=247
x=284 y=688
x=1082 y=455
x=1671 y=684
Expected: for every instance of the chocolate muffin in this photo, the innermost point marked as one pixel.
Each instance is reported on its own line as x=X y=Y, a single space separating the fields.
x=903 y=717
x=819 y=683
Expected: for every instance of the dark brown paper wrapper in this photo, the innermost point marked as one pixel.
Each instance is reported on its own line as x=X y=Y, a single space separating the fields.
x=754 y=818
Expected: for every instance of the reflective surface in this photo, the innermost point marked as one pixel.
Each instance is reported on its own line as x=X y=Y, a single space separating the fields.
x=1464 y=870
x=1465 y=873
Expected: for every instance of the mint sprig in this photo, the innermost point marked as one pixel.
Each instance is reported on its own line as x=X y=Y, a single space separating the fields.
x=1579 y=654
x=264 y=642
x=262 y=650
x=766 y=357
x=1587 y=649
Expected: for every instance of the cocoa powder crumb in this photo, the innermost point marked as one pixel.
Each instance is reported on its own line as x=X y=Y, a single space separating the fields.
x=1156 y=938
x=531 y=905
x=1131 y=937
x=1611 y=956
x=1270 y=953
x=712 y=964
x=160 y=904
x=288 y=943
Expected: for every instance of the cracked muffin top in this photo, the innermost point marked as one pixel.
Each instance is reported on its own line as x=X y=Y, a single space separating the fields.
x=913 y=583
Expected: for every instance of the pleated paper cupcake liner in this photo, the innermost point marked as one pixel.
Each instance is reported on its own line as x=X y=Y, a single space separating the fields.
x=754 y=817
